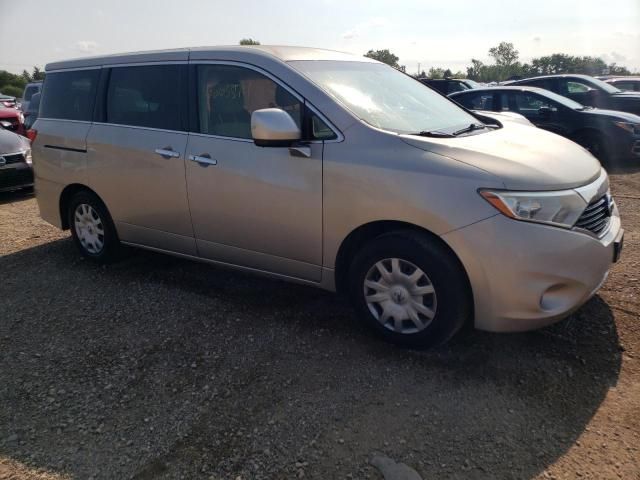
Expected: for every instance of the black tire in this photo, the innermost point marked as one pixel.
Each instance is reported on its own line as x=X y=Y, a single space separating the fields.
x=110 y=249
x=446 y=275
x=595 y=143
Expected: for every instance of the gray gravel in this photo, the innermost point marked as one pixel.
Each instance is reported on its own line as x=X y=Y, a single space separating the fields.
x=157 y=367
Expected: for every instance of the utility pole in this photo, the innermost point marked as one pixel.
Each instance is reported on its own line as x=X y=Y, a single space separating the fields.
x=418 y=68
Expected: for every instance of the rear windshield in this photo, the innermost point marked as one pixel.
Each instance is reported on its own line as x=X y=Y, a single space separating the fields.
x=29 y=91
x=69 y=95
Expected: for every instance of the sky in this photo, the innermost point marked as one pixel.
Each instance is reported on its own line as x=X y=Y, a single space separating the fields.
x=421 y=32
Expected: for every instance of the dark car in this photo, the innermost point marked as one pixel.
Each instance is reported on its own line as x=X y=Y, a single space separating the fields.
x=449 y=85
x=15 y=161
x=587 y=91
x=31 y=114
x=630 y=84
x=611 y=136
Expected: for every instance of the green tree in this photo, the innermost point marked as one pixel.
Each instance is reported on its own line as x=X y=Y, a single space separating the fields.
x=249 y=41
x=384 y=56
x=475 y=70
x=504 y=54
x=37 y=74
x=435 y=73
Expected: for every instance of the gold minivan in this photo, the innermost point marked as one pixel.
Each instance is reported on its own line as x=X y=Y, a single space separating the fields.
x=328 y=169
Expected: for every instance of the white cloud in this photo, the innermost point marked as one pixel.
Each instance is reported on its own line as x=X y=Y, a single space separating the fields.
x=86 y=46
x=364 y=27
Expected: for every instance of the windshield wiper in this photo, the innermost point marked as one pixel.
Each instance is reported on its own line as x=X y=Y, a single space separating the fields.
x=470 y=128
x=433 y=133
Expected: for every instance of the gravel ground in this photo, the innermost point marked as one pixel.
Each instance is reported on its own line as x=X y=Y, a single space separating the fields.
x=157 y=367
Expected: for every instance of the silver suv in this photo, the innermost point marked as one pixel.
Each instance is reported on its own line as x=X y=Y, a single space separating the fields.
x=331 y=170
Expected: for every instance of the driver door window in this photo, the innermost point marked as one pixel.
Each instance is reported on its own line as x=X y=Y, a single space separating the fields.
x=228 y=95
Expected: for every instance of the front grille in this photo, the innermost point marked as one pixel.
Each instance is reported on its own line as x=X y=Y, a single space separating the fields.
x=13 y=158
x=596 y=216
x=635 y=150
x=15 y=177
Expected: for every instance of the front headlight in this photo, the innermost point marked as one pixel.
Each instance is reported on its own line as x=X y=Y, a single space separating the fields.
x=27 y=156
x=629 y=127
x=560 y=208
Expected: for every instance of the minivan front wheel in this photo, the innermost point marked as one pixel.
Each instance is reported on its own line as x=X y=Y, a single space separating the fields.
x=91 y=227
x=410 y=288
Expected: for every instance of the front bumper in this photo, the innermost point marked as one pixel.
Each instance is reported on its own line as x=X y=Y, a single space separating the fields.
x=15 y=176
x=527 y=275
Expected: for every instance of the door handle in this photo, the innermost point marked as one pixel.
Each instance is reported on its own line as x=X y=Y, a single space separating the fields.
x=204 y=159
x=167 y=152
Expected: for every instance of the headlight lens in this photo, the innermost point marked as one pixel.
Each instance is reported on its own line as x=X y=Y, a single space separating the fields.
x=27 y=156
x=561 y=208
x=629 y=127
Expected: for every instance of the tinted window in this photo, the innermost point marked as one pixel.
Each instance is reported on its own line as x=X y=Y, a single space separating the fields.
x=69 y=95
x=320 y=130
x=577 y=87
x=524 y=103
x=546 y=83
x=147 y=96
x=228 y=95
x=29 y=91
x=478 y=101
x=457 y=87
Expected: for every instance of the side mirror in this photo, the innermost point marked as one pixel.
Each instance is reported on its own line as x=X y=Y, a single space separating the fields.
x=273 y=127
x=545 y=111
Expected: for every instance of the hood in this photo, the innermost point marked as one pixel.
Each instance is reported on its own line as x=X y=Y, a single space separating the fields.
x=614 y=115
x=506 y=117
x=11 y=142
x=626 y=94
x=524 y=158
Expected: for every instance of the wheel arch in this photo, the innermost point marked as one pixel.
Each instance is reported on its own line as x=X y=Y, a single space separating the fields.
x=369 y=231
x=65 y=197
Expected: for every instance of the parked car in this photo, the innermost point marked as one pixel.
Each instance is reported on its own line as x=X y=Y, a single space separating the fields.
x=587 y=91
x=12 y=119
x=609 y=135
x=327 y=169
x=631 y=84
x=29 y=90
x=15 y=161
x=449 y=85
x=7 y=101
x=31 y=115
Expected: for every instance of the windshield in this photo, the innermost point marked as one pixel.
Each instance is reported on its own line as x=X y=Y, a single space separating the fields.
x=607 y=87
x=471 y=83
x=384 y=97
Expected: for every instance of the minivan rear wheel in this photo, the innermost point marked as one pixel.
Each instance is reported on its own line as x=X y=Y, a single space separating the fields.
x=410 y=289
x=92 y=228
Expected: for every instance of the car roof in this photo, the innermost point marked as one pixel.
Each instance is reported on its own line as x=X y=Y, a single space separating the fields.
x=243 y=52
x=518 y=88
x=622 y=79
x=558 y=75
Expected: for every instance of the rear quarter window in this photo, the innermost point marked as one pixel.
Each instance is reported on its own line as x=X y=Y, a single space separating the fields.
x=69 y=95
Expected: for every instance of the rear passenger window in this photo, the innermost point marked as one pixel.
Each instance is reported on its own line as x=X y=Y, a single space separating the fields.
x=69 y=95
x=146 y=96
x=479 y=101
x=228 y=95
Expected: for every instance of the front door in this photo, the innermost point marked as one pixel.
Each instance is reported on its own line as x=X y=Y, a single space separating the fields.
x=258 y=207
x=136 y=156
